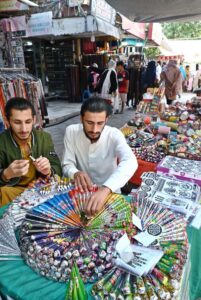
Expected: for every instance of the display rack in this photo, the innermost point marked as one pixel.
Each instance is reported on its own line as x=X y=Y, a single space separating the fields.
x=57 y=57
x=17 y=82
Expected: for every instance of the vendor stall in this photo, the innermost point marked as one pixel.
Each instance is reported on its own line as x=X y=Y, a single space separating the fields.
x=141 y=247
x=46 y=246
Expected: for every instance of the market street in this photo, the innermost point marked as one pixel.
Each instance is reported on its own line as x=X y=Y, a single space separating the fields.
x=58 y=110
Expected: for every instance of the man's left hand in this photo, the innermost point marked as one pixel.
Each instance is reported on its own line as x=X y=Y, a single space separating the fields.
x=42 y=165
x=97 y=201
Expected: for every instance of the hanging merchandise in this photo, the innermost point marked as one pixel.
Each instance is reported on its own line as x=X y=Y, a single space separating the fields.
x=73 y=83
x=19 y=83
x=100 y=59
x=57 y=56
x=88 y=46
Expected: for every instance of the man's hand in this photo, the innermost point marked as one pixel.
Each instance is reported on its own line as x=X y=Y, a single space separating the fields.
x=17 y=168
x=82 y=181
x=42 y=165
x=97 y=201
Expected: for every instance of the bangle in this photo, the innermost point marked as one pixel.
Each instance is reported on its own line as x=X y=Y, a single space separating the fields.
x=3 y=177
x=50 y=173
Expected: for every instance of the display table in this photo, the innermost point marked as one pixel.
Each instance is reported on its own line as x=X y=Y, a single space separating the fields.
x=18 y=281
x=194 y=237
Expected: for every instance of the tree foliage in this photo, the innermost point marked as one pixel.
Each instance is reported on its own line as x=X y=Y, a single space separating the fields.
x=188 y=30
x=151 y=52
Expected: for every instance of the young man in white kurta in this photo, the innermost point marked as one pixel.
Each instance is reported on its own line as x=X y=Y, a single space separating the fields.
x=95 y=153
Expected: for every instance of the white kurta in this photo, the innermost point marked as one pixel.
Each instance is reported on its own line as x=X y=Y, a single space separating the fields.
x=99 y=160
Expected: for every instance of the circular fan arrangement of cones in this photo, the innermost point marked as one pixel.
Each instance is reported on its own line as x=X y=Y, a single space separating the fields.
x=56 y=233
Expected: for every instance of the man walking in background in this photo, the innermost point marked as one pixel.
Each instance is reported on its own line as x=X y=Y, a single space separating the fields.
x=123 y=82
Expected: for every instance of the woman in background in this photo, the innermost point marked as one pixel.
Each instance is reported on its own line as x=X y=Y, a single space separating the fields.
x=149 y=78
x=172 y=78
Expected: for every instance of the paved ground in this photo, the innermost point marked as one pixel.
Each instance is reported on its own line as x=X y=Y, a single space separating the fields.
x=58 y=131
x=64 y=112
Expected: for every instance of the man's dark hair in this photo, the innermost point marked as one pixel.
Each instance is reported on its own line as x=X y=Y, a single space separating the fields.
x=120 y=63
x=96 y=105
x=18 y=103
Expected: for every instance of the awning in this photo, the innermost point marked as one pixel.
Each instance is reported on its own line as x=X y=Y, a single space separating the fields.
x=166 y=44
x=157 y=38
x=136 y=29
x=12 y=6
x=147 y=11
x=106 y=28
x=84 y=27
x=28 y=2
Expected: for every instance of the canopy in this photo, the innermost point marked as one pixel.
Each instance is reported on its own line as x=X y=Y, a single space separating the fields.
x=84 y=27
x=158 y=10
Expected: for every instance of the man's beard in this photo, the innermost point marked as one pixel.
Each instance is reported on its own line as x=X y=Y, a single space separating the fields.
x=18 y=136
x=90 y=138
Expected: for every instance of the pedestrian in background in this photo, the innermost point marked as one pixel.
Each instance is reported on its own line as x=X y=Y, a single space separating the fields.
x=158 y=70
x=183 y=73
x=189 y=79
x=92 y=79
x=173 y=80
x=107 y=86
x=197 y=78
x=149 y=78
x=123 y=84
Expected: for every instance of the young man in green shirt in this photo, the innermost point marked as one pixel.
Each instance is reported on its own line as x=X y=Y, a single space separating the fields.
x=20 y=141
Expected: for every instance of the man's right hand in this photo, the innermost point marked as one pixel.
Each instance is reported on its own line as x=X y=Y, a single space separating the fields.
x=82 y=181
x=17 y=168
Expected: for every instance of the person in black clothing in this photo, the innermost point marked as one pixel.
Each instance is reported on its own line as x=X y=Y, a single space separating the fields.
x=149 y=78
x=135 y=69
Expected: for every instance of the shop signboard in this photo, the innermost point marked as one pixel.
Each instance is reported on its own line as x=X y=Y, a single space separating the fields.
x=40 y=24
x=101 y=9
x=132 y=42
x=17 y=53
x=73 y=3
x=12 y=5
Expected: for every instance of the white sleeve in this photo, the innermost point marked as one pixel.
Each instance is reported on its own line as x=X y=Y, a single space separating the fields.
x=127 y=163
x=68 y=159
